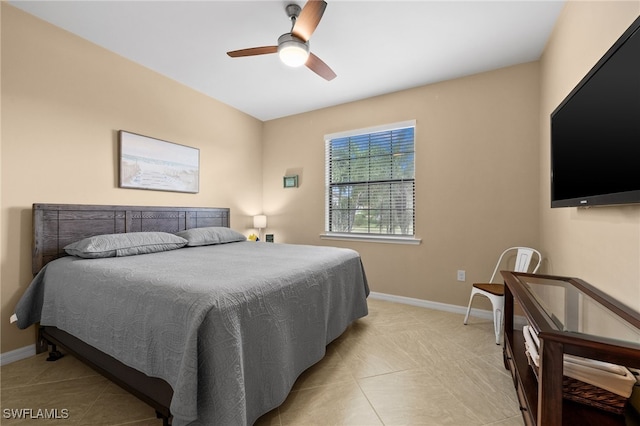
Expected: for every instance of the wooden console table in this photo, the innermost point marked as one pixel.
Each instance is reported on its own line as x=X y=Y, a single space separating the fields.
x=570 y=317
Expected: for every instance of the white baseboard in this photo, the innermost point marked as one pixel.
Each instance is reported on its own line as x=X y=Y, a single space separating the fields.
x=17 y=354
x=456 y=309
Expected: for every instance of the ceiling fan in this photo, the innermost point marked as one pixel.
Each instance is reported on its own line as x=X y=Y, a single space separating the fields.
x=293 y=47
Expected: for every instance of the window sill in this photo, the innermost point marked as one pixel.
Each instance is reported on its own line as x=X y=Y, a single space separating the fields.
x=372 y=238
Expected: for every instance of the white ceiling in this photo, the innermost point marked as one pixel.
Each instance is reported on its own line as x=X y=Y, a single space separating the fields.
x=375 y=47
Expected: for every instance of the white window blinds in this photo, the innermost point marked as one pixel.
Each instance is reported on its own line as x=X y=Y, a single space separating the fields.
x=370 y=179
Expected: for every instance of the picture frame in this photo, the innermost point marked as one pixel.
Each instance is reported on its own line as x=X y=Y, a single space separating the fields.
x=155 y=164
x=290 y=181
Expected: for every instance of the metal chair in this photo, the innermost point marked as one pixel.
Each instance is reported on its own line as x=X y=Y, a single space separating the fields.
x=495 y=292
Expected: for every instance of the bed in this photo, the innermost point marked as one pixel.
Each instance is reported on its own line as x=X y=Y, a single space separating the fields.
x=209 y=333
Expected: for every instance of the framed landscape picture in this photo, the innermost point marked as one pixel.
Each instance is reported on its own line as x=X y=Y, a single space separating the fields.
x=149 y=163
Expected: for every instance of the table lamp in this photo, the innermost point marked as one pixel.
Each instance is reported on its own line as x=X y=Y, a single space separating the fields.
x=260 y=222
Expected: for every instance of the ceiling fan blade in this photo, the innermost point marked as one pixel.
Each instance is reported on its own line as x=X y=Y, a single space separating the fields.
x=309 y=19
x=264 y=50
x=316 y=65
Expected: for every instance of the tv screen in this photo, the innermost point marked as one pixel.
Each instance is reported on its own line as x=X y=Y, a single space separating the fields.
x=595 y=132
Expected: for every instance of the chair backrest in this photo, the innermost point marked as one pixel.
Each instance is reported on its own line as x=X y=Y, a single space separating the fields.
x=524 y=258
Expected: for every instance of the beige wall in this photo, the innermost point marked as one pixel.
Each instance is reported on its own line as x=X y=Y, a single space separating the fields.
x=481 y=156
x=477 y=179
x=600 y=245
x=63 y=100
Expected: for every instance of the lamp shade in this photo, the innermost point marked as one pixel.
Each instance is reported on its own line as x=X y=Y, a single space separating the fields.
x=292 y=51
x=260 y=221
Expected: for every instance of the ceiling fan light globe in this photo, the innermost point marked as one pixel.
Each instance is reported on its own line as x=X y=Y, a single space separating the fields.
x=292 y=51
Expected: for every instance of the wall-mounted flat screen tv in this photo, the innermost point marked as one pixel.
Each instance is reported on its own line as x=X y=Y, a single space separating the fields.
x=595 y=132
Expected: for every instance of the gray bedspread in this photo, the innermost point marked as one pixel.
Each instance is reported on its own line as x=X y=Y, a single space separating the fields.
x=230 y=327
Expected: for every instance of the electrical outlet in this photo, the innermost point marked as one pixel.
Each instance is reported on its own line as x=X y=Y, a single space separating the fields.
x=461 y=275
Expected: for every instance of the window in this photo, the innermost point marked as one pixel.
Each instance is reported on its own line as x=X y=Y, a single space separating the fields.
x=370 y=182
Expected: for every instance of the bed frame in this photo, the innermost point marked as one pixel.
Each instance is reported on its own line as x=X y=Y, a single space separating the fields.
x=56 y=225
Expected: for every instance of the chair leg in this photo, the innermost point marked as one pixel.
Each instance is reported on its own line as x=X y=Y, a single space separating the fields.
x=498 y=312
x=497 y=324
x=497 y=303
x=466 y=317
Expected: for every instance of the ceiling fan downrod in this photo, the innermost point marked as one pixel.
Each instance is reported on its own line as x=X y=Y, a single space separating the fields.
x=293 y=11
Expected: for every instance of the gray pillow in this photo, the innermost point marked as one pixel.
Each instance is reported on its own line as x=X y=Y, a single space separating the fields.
x=210 y=235
x=129 y=244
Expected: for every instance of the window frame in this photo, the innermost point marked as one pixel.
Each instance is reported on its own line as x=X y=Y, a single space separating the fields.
x=357 y=236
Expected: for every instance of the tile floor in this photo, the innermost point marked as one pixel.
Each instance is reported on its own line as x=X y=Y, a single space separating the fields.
x=400 y=365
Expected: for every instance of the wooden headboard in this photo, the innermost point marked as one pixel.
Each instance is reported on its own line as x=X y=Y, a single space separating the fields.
x=56 y=225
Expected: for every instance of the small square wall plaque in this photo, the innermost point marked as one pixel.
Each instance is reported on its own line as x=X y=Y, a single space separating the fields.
x=290 y=181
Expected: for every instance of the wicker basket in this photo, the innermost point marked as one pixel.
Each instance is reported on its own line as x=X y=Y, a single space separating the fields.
x=588 y=394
